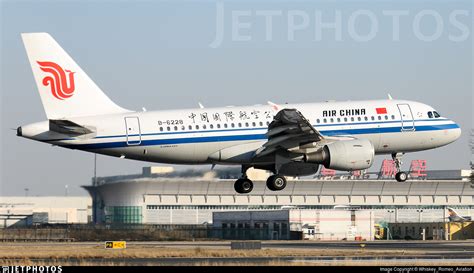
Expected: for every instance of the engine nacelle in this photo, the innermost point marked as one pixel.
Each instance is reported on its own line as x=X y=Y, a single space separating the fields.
x=344 y=155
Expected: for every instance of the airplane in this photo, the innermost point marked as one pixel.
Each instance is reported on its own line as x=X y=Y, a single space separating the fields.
x=288 y=140
x=455 y=217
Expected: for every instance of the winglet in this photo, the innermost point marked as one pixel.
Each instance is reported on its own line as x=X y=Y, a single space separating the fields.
x=275 y=106
x=390 y=97
x=200 y=105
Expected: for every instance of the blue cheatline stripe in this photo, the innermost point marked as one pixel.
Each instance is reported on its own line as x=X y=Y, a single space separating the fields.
x=188 y=140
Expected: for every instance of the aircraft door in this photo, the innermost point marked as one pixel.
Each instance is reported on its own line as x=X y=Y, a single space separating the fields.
x=132 y=127
x=408 y=123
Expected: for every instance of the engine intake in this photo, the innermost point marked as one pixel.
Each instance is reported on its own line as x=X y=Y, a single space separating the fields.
x=345 y=155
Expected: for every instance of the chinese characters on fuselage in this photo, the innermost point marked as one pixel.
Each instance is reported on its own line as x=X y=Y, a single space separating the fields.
x=229 y=116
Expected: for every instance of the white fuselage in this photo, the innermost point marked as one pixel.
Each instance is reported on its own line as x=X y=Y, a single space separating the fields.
x=191 y=136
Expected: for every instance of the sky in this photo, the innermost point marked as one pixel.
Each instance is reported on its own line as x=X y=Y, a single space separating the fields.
x=173 y=54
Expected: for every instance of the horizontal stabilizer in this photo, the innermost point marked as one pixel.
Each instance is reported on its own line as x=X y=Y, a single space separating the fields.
x=67 y=127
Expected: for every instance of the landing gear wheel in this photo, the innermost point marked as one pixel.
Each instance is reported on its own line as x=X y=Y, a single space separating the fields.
x=276 y=182
x=243 y=185
x=401 y=176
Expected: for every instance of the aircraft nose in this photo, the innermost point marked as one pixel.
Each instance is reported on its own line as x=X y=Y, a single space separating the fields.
x=455 y=133
x=19 y=131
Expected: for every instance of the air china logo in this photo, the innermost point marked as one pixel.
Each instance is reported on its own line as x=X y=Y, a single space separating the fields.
x=58 y=80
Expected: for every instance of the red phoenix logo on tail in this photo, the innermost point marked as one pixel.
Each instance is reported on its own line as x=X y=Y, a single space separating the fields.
x=58 y=81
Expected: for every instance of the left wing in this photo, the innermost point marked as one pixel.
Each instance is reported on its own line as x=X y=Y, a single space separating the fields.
x=290 y=131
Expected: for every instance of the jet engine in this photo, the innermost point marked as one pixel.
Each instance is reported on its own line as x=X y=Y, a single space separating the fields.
x=344 y=155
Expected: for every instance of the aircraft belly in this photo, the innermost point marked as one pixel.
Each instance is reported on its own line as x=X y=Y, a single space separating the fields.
x=193 y=153
x=412 y=141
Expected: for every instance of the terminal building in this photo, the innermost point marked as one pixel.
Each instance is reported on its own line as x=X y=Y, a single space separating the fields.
x=150 y=198
x=319 y=208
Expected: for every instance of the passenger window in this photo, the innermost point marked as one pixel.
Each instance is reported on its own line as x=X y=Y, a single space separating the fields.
x=240 y=124
x=332 y=120
x=345 y=119
x=359 y=119
x=338 y=119
x=190 y=127
x=232 y=125
x=393 y=117
x=268 y=123
x=254 y=124
x=318 y=121
x=366 y=118
x=246 y=124
x=176 y=128
x=167 y=128
x=379 y=118
x=261 y=123
x=183 y=127
x=197 y=127
x=430 y=114
x=161 y=129
x=436 y=115
x=218 y=126
x=325 y=120
x=372 y=118
x=211 y=126
x=204 y=126
x=386 y=117
x=352 y=118
x=225 y=125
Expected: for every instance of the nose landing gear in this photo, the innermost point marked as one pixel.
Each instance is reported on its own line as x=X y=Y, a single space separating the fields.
x=399 y=176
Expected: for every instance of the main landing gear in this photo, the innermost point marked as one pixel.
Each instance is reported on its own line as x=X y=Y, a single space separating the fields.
x=243 y=185
x=399 y=176
x=275 y=182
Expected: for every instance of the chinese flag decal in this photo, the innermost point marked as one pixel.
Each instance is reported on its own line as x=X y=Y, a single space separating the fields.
x=381 y=111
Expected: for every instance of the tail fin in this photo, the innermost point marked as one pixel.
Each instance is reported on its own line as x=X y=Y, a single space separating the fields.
x=65 y=90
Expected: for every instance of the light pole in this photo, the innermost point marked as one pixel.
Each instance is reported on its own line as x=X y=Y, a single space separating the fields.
x=390 y=211
x=420 y=213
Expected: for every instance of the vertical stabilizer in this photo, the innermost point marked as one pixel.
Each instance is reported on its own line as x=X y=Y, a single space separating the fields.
x=65 y=89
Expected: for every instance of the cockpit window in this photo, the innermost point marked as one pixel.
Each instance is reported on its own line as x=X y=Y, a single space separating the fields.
x=436 y=115
x=430 y=114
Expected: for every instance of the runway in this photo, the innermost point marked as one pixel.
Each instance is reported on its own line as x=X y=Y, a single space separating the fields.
x=272 y=253
x=466 y=245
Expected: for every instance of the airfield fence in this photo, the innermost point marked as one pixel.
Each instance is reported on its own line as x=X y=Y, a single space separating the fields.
x=137 y=233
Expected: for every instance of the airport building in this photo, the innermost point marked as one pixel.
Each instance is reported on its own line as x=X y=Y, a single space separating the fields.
x=19 y=211
x=150 y=198
x=295 y=224
x=159 y=196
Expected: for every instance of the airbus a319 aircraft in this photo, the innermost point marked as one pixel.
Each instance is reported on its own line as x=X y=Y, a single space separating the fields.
x=289 y=139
